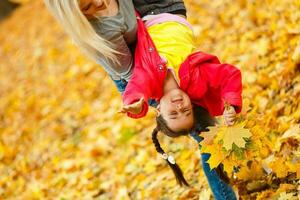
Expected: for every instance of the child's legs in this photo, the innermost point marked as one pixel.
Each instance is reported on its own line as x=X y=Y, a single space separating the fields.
x=220 y=189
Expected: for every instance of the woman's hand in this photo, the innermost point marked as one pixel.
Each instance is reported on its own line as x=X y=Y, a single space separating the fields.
x=229 y=115
x=134 y=108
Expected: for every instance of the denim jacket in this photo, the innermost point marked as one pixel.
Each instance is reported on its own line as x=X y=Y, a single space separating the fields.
x=154 y=7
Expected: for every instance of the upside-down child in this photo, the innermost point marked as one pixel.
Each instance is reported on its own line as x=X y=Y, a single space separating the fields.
x=185 y=83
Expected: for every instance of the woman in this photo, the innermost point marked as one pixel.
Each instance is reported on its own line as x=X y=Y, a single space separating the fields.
x=105 y=30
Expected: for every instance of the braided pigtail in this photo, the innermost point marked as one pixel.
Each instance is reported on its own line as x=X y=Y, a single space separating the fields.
x=170 y=160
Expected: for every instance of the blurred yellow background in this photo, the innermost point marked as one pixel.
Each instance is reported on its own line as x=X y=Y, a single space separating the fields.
x=61 y=136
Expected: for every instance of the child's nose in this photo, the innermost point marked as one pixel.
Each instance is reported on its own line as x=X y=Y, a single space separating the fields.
x=180 y=106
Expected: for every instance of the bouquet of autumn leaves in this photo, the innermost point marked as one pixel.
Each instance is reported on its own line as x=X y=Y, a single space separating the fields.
x=253 y=154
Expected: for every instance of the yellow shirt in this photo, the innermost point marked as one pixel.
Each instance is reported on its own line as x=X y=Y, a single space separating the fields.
x=174 y=42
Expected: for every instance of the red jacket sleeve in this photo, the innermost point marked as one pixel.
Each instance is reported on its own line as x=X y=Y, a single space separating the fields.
x=210 y=83
x=227 y=79
x=146 y=79
x=135 y=90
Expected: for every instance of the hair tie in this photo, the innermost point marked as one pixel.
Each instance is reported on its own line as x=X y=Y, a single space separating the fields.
x=169 y=158
x=164 y=156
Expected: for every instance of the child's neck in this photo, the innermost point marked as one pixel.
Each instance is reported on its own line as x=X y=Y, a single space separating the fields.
x=169 y=83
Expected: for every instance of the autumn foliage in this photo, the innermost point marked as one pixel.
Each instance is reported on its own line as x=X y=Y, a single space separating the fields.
x=62 y=138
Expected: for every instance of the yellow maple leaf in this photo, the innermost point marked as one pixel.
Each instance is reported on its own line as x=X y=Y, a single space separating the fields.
x=210 y=135
x=233 y=135
x=217 y=155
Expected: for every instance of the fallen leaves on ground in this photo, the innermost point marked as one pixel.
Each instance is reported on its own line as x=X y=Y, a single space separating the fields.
x=61 y=136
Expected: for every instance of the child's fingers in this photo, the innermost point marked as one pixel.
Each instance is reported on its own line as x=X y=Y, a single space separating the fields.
x=128 y=108
x=230 y=112
x=231 y=108
x=140 y=102
x=136 y=104
x=142 y=99
x=125 y=109
x=229 y=121
x=131 y=107
x=229 y=116
x=122 y=110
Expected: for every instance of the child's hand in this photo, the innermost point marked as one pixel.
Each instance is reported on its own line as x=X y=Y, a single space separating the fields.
x=229 y=115
x=134 y=108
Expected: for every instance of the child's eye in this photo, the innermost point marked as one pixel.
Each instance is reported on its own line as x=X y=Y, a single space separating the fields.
x=173 y=113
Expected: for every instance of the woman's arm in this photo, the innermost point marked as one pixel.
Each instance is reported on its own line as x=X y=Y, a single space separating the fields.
x=123 y=69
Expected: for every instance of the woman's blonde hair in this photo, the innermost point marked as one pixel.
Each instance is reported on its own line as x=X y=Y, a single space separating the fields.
x=68 y=13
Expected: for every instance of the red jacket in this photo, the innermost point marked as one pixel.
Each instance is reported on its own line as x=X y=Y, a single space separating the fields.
x=207 y=82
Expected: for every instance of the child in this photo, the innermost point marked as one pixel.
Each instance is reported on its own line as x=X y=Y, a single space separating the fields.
x=204 y=81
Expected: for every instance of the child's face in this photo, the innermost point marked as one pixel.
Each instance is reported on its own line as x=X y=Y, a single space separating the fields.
x=91 y=7
x=176 y=108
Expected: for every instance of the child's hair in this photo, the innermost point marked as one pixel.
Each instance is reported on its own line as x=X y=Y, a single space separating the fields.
x=71 y=18
x=202 y=121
